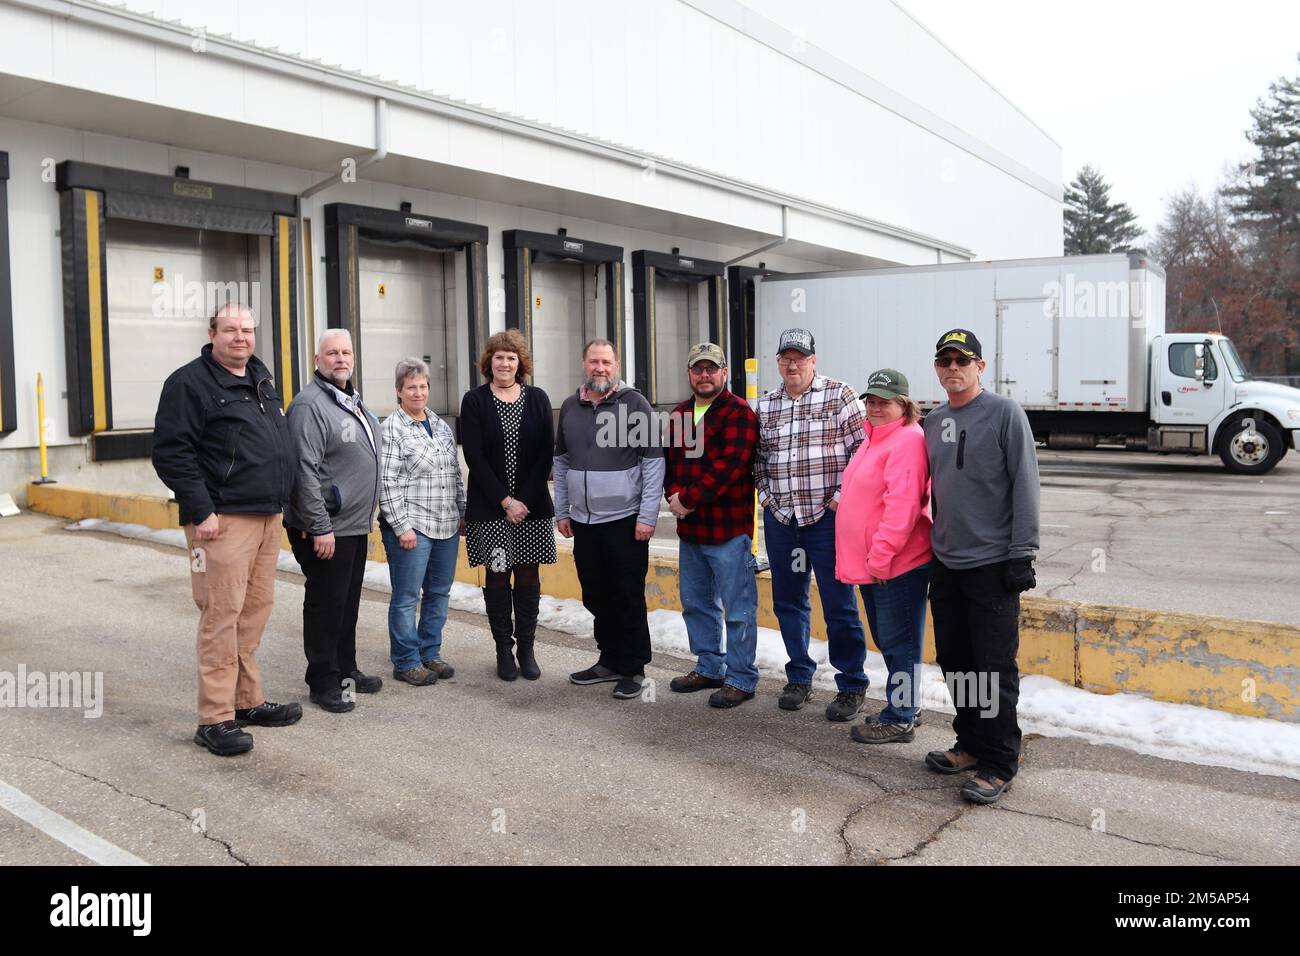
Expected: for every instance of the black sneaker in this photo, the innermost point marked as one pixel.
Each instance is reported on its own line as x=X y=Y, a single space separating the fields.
x=364 y=684
x=596 y=674
x=794 y=696
x=331 y=700
x=267 y=714
x=629 y=688
x=845 y=706
x=224 y=739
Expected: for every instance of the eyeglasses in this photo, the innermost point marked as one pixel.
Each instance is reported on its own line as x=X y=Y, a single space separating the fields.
x=703 y=368
x=962 y=360
x=789 y=362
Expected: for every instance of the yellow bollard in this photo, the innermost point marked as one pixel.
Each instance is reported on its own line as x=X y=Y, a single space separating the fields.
x=751 y=396
x=40 y=414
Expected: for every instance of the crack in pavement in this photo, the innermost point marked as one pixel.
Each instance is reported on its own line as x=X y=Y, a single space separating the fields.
x=887 y=793
x=126 y=793
x=927 y=841
x=1117 y=836
x=848 y=820
x=860 y=774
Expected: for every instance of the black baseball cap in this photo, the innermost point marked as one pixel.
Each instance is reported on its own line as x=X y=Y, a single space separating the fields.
x=801 y=340
x=963 y=340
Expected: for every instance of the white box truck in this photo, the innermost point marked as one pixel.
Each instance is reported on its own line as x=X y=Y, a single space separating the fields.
x=1078 y=341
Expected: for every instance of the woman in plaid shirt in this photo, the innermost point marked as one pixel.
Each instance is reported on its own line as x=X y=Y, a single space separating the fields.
x=421 y=515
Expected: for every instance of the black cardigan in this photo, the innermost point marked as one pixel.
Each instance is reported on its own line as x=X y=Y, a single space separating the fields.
x=484 y=444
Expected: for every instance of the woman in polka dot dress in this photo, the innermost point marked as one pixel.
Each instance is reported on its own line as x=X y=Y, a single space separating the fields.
x=508 y=433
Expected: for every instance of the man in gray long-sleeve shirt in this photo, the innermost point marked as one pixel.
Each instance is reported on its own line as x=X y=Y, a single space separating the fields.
x=984 y=487
x=609 y=477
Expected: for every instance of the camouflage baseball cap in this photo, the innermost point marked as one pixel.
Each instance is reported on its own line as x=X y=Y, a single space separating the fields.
x=706 y=352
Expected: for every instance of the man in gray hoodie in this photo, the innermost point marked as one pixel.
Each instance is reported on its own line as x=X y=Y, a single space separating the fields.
x=984 y=487
x=609 y=477
x=330 y=517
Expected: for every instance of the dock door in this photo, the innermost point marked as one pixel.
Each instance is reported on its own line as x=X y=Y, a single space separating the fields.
x=678 y=303
x=562 y=292
x=407 y=286
x=146 y=261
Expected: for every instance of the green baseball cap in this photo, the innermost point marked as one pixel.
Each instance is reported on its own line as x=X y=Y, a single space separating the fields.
x=887 y=383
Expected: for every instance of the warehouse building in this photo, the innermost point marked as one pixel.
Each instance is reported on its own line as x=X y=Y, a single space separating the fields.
x=425 y=175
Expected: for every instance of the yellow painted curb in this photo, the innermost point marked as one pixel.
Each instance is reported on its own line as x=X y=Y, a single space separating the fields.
x=1244 y=667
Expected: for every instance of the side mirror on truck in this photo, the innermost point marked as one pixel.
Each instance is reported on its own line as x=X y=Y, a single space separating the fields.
x=1206 y=370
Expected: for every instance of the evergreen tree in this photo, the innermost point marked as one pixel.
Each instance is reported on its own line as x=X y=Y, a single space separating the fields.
x=1094 y=224
x=1267 y=202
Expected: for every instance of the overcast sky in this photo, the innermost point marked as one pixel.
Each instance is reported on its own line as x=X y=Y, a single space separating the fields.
x=1156 y=94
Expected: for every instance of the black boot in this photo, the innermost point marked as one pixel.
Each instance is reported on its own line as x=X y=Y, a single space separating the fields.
x=526 y=598
x=497 y=601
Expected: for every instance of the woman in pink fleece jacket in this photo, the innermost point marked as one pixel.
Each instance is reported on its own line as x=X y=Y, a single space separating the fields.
x=882 y=544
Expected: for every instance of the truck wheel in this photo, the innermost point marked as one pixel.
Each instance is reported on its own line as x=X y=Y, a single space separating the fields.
x=1251 y=446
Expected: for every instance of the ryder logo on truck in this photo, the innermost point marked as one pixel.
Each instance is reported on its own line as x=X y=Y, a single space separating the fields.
x=1090 y=299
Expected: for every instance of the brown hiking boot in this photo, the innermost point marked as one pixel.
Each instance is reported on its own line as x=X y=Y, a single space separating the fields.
x=440 y=669
x=694 y=681
x=416 y=676
x=729 y=697
x=874 y=732
x=950 y=761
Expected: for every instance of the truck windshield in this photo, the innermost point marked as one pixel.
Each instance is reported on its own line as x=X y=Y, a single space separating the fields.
x=1235 y=367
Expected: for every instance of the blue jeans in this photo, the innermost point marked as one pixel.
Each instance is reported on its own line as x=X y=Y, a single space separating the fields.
x=429 y=566
x=896 y=616
x=794 y=554
x=717 y=586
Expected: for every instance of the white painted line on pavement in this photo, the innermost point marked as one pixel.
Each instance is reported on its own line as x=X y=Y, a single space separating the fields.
x=75 y=838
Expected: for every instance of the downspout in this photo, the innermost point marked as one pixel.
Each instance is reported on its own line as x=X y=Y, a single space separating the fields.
x=381 y=151
x=785 y=237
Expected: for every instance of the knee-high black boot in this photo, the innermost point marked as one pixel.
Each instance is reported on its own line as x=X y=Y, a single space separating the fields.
x=527 y=597
x=497 y=601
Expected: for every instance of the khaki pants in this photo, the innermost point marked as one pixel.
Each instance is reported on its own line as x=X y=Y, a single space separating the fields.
x=233 y=578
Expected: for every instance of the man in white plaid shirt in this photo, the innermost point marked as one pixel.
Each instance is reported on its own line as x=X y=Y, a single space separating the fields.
x=808 y=431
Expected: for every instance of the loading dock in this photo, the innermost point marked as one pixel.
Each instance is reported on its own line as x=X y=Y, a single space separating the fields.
x=677 y=303
x=407 y=285
x=562 y=292
x=145 y=259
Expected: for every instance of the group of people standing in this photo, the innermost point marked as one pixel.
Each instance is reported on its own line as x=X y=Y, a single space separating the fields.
x=868 y=501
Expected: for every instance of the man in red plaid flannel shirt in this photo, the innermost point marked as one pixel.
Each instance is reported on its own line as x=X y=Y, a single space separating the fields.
x=709 y=484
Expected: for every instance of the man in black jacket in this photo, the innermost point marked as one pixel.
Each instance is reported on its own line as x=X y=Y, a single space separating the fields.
x=221 y=445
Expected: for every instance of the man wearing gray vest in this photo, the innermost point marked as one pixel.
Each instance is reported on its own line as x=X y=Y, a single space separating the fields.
x=984 y=487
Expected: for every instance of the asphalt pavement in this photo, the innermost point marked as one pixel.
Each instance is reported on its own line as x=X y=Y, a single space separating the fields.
x=474 y=770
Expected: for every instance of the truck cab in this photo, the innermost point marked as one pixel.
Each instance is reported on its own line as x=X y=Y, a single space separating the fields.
x=1203 y=400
